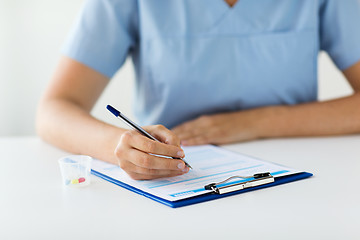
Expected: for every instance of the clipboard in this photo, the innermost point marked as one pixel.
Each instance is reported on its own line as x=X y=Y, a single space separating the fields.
x=255 y=184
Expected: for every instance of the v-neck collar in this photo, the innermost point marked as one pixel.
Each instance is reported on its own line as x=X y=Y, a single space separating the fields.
x=221 y=11
x=228 y=6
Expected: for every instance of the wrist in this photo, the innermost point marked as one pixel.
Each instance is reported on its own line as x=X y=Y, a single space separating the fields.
x=271 y=121
x=253 y=123
x=105 y=148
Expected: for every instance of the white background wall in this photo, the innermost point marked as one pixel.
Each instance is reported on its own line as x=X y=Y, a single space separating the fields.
x=31 y=35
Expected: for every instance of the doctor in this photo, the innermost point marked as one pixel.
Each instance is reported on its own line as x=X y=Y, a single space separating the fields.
x=212 y=71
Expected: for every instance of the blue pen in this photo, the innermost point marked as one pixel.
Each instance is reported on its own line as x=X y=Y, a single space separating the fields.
x=121 y=116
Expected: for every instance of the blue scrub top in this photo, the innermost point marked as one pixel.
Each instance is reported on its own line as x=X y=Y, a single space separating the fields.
x=196 y=57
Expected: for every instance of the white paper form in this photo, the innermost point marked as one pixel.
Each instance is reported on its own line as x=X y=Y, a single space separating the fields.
x=210 y=164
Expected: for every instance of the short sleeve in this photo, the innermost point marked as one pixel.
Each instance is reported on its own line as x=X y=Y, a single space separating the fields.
x=340 y=31
x=103 y=35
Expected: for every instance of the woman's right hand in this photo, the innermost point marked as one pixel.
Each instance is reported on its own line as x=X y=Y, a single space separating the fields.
x=135 y=154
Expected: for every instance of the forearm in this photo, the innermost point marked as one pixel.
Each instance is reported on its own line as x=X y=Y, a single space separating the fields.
x=340 y=116
x=68 y=126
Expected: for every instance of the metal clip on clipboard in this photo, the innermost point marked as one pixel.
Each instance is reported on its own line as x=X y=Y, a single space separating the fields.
x=258 y=179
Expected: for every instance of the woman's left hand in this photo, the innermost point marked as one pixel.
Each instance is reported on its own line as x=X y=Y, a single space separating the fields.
x=220 y=128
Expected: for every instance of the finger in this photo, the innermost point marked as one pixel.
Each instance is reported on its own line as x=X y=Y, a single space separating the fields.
x=191 y=129
x=195 y=133
x=163 y=134
x=148 y=161
x=199 y=140
x=180 y=129
x=144 y=173
x=190 y=134
x=147 y=145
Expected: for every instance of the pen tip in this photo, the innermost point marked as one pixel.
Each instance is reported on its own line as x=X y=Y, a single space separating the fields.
x=113 y=110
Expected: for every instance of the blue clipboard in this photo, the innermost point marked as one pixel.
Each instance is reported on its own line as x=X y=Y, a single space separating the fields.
x=204 y=197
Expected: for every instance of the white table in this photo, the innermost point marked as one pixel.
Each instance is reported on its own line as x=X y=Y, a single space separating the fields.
x=35 y=205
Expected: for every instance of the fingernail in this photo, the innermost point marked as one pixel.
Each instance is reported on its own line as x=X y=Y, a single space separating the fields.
x=180 y=154
x=185 y=170
x=181 y=165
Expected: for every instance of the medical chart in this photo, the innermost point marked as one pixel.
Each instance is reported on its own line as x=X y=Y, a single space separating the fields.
x=210 y=164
